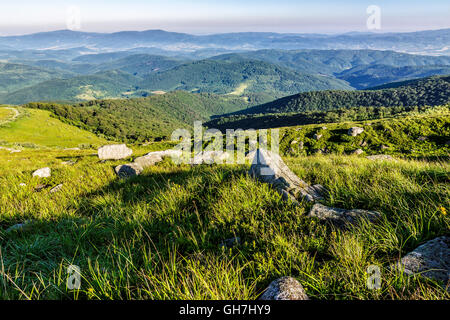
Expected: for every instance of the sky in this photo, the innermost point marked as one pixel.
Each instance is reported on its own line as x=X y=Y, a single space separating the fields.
x=212 y=16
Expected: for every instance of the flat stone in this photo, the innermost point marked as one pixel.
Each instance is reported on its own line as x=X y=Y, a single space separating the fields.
x=57 y=188
x=114 y=152
x=43 y=173
x=431 y=260
x=354 y=131
x=285 y=288
x=342 y=217
x=129 y=170
x=268 y=167
x=384 y=157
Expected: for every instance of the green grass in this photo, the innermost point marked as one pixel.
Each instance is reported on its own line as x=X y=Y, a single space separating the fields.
x=157 y=236
x=5 y=114
x=36 y=128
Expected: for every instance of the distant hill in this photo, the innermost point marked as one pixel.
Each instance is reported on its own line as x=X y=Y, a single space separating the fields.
x=421 y=42
x=109 y=84
x=427 y=91
x=17 y=76
x=362 y=77
x=143 y=119
x=223 y=77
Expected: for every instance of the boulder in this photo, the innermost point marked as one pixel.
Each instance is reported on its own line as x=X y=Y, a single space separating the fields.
x=431 y=260
x=114 y=152
x=358 y=152
x=43 y=173
x=354 y=131
x=385 y=157
x=152 y=158
x=268 y=167
x=210 y=157
x=285 y=288
x=129 y=170
x=341 y=217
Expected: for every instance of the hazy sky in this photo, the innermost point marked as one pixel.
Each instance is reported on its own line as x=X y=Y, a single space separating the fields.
x=212 y=16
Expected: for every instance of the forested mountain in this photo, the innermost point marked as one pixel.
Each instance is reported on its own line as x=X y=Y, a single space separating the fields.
x=223 y=77
x=427 y=91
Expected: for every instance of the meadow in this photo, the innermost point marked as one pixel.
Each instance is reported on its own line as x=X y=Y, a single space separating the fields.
x=159 y=235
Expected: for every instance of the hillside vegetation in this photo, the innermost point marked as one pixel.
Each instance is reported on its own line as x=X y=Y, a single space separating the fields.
x=143 y=119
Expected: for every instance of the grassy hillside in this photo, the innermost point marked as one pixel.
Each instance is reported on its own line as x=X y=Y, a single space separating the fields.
x=145 y=119
x=36 y=128
x=223 y=77
x=158 y=236
x=428 y=91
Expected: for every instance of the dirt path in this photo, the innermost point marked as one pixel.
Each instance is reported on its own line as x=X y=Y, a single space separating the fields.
x=14 y=117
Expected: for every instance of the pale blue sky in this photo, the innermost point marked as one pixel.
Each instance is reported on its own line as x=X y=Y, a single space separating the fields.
x=212 y=16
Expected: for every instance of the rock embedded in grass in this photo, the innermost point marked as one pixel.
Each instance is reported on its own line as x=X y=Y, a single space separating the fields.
x=285 y=288
x=354 y=131
x=129 y=170
x=57 y=188
x=268 y=167
x=152 y=158
x=358 y=152
x=431 y=260
x=385 y=157
x=43 y=173
x=114 y=152
x=317 y=136
x=342 y=217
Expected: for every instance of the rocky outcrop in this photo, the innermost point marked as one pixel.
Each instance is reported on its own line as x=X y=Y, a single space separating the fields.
x=285 y=288
x=268 y=167
x=431 y=260
x=114 y=152
x=354 y=131
x=341 y=217
x=43 y=173
x=129 y=170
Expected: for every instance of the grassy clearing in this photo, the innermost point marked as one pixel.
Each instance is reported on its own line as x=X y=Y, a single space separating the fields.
x=5 y=114
x=158 y=236
x=36 y=128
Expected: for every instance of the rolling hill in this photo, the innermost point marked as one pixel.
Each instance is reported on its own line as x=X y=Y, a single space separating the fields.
x=223 y=77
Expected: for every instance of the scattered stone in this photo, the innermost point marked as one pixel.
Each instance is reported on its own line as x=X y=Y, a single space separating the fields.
x=363 y=144
x=152 y=158
x=114 y=152
x=231 y=242
x=22 y=185
x=43 y=173
x=300 y=145
x=57 y=188
x=355 y=131
x=268 y=167
x=210 y=157
x=358 y=152
x=10 y=150
x=431 y=260
x=294 y=141
x=285 y=288
x=317 y=136
x=341 y=217
x=324 y=128
x=422 y=138
x=129 y=170
x=384 y=147
x=385 y=157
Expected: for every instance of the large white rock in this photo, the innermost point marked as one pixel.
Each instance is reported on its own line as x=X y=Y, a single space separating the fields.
x=114 y=152
x=43 y=173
